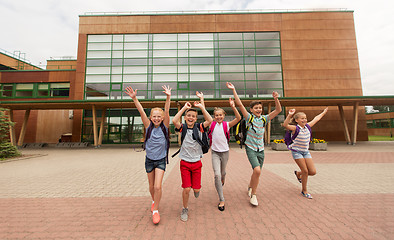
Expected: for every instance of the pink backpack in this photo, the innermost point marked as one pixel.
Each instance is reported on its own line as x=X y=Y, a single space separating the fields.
x=225 y=129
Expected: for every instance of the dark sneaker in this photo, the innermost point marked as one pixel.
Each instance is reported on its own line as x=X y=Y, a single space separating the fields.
x=184 y=214
x=196 y=194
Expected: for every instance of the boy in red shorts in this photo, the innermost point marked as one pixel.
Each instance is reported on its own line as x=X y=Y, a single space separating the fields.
x=191 y=152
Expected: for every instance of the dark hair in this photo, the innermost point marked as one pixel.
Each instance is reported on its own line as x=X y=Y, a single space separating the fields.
x=191 y=110
x=254 y=103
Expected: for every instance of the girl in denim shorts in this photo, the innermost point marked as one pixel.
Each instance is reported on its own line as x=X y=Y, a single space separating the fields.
x=156 y=146
x=300 y=146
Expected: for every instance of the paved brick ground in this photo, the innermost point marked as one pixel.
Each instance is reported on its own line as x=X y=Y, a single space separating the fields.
x=102 y=194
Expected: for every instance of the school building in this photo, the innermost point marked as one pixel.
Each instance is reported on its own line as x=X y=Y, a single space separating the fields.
x=309 y=57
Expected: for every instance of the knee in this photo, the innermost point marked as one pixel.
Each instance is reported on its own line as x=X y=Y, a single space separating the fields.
x=312 y=172
x=257 y=171
x=186 y=190
x=217 y=177
x=304 y=171
x=157 y=188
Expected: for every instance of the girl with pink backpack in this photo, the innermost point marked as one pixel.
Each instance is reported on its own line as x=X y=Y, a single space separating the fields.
x=219 y=135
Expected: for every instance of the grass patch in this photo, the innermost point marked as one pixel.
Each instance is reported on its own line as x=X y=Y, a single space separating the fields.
x=380 y=138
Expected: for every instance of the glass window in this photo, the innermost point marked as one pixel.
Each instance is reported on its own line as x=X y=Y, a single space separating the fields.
x=136 y=37
x=194 y=45
x=267 y=35
x=99 y=46
x=98 y=70
x=164 y=37
x=98 y=62
x=43 y=90
x=117 y=54
x=132 y=46
x=230 y=44
x=59 y=89
x=7 y=90
x=200 y=69
x=201 y=53
x=164 y=77
x=134 y=70
x=97 y=78
x=183 y=45
x=230 y=36
x=164 y=45
x=134 y=78
x=99 y=38
x=136 y=54
x=231 y=68
x=117 y=38
x=98 y=54
x=164 y=69
x=267 y=44
x=164 y=53
x=200 y=36
x=269 y=84
x=201 y=77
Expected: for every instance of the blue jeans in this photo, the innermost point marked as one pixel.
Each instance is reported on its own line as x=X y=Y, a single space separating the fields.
x=301 y=154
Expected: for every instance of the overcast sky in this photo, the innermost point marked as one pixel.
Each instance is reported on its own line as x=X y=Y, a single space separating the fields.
x=41 y=29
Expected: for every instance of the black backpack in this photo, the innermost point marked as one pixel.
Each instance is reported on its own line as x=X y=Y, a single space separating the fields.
x=165 y=132
x=200 y=135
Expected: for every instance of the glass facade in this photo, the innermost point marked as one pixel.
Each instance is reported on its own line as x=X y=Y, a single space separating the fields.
x=187 y=62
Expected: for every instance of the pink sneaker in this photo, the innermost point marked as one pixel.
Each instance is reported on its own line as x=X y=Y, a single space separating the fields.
x=152 y=207
x=156 y=218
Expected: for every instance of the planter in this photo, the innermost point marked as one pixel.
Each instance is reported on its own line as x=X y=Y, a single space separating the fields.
x=279 y=146
x=318 y=146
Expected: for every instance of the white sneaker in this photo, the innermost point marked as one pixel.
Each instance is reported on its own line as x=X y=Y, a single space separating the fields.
x=249 y=191
x=253 y=200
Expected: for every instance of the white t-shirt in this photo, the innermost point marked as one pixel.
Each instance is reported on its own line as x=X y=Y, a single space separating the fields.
x=219 y=140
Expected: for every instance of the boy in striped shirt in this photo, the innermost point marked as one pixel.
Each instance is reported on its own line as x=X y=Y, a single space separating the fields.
x=255 y=137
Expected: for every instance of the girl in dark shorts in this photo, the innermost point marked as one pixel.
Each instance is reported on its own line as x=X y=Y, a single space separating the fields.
x=156 y=146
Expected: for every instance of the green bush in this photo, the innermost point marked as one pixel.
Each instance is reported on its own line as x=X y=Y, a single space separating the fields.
x=7 y=150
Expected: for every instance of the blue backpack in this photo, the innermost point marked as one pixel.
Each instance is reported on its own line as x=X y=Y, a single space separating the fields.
x=289 y=139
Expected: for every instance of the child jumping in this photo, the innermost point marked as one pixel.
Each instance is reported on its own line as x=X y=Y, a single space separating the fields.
x=254 y=144
x=156 y=146
x=300 y=146
x=219 y=134
x=190 y=152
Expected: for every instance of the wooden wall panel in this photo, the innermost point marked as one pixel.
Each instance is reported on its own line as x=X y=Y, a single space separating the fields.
x=25 y=77
x=327 y=44
x=318 y=24
x=317 y=64
x=249 y=18
x=30 y=135
x=193 y=19
x=316 y=16
x=49 y=132
x=321 y=74
x=320 y=54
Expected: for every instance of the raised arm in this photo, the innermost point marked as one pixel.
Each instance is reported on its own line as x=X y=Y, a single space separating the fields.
x=178 y=116
x=318 y=117
x=237 y=115
x=166 y=120
x=207 y=116
x=238 y=101
x=200 y=95
x=278 y=107
x=133 y=94
x=287 y=121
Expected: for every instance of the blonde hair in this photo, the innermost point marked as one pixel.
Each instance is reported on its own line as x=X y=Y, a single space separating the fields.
x=217 y=109
x=156 y=109
x=296 y=116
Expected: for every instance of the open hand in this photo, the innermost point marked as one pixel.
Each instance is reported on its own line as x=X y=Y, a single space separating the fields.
x=292 y=111
x=167 y=90
x=199 y=94
x=132 y=93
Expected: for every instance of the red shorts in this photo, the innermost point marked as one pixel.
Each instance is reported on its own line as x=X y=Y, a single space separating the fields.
x=191 y=174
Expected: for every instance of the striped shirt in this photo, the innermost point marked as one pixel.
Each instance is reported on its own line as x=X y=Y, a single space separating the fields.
x=301 y=142
x=255 y=140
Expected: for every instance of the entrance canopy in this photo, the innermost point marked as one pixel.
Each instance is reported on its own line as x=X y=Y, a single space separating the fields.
x=340 y=102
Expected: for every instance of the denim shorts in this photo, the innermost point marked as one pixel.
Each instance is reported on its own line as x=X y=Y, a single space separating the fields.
x=152 y=164
x=301 y=154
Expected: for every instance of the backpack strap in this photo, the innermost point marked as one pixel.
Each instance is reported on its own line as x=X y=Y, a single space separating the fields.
x=310 y=129
x=167 y=135
x=183 y=131
x=226 y=130
x=297 y=130
x=250 y=120
x=148 y=133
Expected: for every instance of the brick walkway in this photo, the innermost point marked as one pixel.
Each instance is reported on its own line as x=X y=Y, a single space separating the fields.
x=102 y=194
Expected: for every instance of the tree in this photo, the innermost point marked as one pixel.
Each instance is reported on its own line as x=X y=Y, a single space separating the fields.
x=6 y=148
